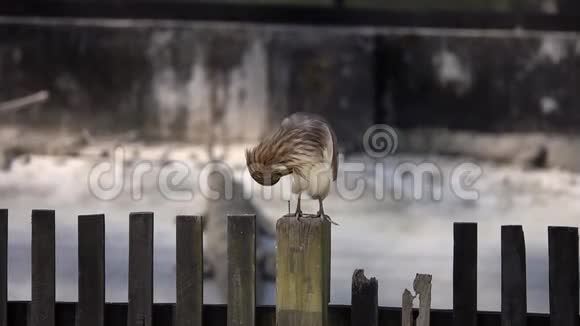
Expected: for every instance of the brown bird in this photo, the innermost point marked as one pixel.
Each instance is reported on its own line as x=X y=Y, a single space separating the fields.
x=305 y=146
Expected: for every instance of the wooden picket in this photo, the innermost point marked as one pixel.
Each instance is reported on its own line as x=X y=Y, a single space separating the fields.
x=302 y=278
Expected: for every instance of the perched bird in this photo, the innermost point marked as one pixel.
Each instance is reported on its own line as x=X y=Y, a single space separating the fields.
x=304 y=146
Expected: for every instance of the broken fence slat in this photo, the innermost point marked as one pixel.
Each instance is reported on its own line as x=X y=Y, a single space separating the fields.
x=365 y=300
x=422 y=287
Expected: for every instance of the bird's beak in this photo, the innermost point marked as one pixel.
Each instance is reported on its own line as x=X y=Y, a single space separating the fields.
x=271 y=180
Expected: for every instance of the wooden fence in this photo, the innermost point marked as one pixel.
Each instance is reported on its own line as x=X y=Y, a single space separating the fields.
x=302 y=280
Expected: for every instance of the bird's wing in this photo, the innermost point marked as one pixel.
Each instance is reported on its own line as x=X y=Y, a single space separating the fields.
x=334 y=153
x=299 y=118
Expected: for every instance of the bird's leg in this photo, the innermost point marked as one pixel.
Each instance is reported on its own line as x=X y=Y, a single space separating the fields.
x=322 y=215
x=298 y=213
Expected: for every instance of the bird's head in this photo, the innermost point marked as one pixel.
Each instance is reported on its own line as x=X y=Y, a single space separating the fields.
x=264 y=173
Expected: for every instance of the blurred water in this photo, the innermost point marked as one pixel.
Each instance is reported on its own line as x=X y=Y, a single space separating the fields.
x=391 y=239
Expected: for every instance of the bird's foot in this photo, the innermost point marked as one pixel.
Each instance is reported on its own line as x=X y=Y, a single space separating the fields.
x=298 y=214
x=326 y=217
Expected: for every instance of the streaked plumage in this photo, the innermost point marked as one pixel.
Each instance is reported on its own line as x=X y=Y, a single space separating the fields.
x=304 y=146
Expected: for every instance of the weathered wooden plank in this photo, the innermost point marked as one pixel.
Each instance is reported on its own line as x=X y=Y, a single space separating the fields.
x=189 y=271
x=407 y=308
x=465 y=274
x=140 y=270
x=364 y=300
x=514 y=306
x=43 y=269
x=91 y=251
x=563 y=252
x=215 y=315
x=242 y=270
x=327 y=262
x=3 y=266
x=422 y=287
x=302 y=280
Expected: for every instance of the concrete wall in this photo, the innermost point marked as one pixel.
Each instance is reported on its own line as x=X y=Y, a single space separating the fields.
x=494 y=82
x=184 y=80
x=166 y=82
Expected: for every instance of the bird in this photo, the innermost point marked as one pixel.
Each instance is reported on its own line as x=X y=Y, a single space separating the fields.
x=305 y=147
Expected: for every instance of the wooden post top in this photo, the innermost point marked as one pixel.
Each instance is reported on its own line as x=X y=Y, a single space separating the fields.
x=306 y=219
x=303 y=271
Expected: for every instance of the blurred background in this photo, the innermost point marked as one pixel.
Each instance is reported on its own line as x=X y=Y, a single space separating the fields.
x=151 y=86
